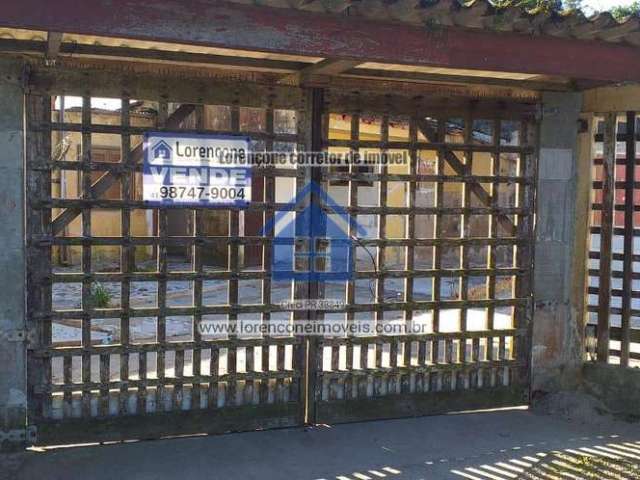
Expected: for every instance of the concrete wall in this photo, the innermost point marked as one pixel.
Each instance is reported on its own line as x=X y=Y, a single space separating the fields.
x=12 y=256
x=618 y=388
x=560 y=248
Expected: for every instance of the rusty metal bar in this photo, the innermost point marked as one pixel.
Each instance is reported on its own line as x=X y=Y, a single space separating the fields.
x=127 y=253
x=608 y=192
x=38 y=222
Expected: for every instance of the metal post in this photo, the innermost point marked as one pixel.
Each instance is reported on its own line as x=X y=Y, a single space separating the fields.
x=316 y=105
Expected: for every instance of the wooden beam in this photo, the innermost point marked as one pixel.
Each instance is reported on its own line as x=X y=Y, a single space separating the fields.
x=100 y=186
x=420 y=77
x=290 y=31
x=438 y=96
x=331 y=66
x=182 y=57
x=54 y=40
x=328 y=66
x=151 y=55
x=606 y=236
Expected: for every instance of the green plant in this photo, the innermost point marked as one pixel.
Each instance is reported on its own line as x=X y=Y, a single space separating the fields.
x=100 y=296
x=622 y=12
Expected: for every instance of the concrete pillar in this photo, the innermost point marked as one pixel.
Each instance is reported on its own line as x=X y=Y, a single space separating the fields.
x=560 y=248
x=13 y=388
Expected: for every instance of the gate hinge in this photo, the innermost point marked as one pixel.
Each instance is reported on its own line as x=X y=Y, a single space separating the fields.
x=19 y=335
x=20 y=435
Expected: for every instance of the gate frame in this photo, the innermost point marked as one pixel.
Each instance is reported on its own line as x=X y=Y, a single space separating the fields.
x=43 y=81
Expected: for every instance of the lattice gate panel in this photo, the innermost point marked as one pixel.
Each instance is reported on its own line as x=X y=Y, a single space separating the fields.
x=446 y=251
x=613 y=323
x=117 y=288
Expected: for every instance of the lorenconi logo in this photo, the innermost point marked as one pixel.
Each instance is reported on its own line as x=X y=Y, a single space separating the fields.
x=161 y=151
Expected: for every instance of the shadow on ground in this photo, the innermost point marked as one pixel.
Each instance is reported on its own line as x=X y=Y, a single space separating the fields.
x=502 y=445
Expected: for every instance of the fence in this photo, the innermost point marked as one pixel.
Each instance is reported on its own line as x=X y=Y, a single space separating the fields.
x=117 y=287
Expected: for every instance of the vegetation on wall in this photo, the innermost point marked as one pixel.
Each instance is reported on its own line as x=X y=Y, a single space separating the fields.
x=548 y=6
x=623 y=12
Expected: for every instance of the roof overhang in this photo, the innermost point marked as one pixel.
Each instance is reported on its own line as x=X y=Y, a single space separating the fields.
x=308 y=34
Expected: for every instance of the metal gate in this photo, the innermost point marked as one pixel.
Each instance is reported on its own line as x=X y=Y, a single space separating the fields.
x=117 y=288
x=446 y=251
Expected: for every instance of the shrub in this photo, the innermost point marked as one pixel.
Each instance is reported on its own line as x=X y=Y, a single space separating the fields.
x=100 y=296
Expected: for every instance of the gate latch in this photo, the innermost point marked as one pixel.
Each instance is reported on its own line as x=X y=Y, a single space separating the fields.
x=27 y=435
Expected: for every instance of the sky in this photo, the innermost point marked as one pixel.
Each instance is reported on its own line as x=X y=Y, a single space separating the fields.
x=104 y=103
x=598 y=5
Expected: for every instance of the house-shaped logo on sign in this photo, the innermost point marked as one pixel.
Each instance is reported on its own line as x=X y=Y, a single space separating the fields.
x=161 y=151
x=313 y=244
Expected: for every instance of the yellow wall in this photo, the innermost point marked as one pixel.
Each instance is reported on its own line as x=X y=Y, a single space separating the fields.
x=397 y=192
x=620 y=98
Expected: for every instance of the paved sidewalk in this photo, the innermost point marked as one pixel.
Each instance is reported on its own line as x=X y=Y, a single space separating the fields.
x=491 y=445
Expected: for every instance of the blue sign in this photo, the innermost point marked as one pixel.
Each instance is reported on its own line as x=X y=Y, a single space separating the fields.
x=314 y=244
x=196 y=170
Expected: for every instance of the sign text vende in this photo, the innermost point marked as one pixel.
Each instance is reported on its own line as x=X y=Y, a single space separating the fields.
x=184 y=169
